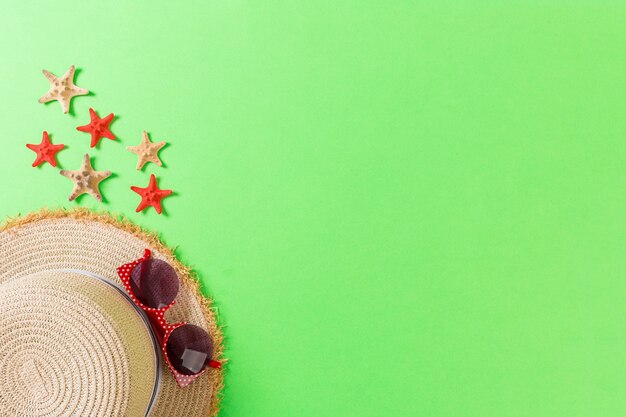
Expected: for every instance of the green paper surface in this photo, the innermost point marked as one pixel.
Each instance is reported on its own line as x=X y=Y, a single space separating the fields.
x=401 y=208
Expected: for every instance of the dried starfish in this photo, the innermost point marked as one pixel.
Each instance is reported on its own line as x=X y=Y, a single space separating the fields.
x=86 y=180
x=98 y=128
x=147 y=151
x=151 y=195
x=62 y=89
x=45 y=151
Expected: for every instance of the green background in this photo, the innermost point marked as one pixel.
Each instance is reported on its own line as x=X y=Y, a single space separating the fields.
x=401 y=209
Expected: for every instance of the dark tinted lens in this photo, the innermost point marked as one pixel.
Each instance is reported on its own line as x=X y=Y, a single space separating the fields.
x=154 y=283
x=189 y=349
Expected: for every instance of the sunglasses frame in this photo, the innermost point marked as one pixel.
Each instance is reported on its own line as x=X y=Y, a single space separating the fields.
x=162 y=329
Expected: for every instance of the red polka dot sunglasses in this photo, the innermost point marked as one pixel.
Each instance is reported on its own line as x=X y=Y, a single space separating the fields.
x=153 y=285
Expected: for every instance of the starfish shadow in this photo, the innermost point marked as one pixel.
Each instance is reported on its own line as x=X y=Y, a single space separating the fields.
x=42 y=165
x=80 y=198
x=103 y=185
x=71 y=111
x=59 y=164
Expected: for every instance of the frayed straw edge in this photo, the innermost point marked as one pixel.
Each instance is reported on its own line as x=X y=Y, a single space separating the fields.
x=188 y=277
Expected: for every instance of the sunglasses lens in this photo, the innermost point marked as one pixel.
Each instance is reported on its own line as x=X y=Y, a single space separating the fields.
x=189 y=349
x=154 y=282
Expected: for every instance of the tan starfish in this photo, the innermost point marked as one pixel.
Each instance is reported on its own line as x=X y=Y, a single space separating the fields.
x=62 y=89
x=147 y=151
x=86 y=180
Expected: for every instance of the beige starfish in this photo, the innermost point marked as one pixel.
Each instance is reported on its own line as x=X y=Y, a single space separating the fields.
x=86 y=180
x=62 y=89
x=147 y=151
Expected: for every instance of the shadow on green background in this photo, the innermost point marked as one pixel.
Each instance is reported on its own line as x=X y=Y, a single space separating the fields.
x=401 y=209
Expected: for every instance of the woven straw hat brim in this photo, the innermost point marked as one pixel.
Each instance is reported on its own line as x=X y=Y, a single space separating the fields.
x=99 y=243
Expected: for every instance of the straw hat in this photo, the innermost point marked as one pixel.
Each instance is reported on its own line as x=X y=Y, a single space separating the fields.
x=71 y=341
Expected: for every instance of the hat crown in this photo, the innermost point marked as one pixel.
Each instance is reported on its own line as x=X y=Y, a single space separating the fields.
x=73 y=344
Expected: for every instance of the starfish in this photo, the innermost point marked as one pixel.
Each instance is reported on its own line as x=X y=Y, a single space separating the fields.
x=151 y=195
x=46 y=151
x=99 y=128
x=86 y=180
x=62 y=89
x=147 y=151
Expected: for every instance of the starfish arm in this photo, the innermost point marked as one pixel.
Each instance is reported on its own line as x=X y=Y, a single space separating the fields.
x=102 y=175
x=51 y=160
x=92 y=114
x=142 y=205
x=70 y=73
x=46 y=98
x=108 y=118
x=65 y=104
x=159 y=146
x=66 y=173
x=95 y=193
x=107 y=134
x=157 y=206
x=76 y=191
x=155 y=160
x=94 y=140
x=38 y=160
x=84 y=128
x=140 y=161
x=32 y=147
x=57 y=148
x=86 y=164
x=137 y=151
x=49 y=76
x=77 y=91
x=163 y=193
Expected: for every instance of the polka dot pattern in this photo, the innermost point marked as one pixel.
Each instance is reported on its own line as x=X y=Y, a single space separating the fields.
x=157 y=316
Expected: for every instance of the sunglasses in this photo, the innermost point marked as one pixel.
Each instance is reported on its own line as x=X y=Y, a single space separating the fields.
x=153 y=285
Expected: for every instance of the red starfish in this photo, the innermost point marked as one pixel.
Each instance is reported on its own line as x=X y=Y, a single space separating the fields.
x=151 y=195
x=99 y=128
x=46 y=151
